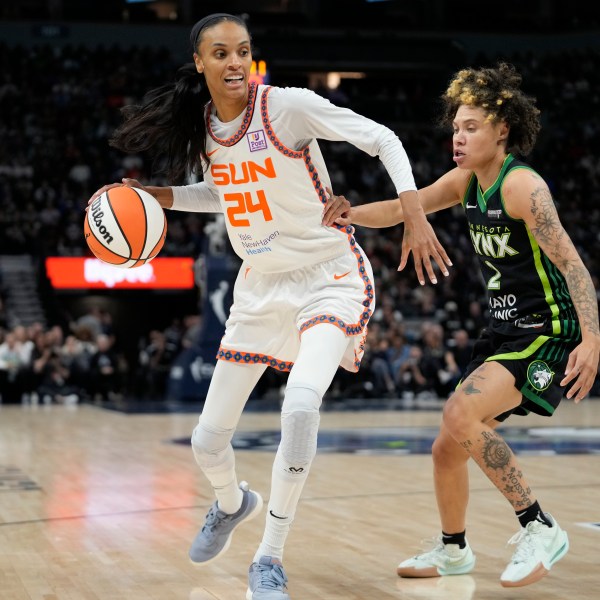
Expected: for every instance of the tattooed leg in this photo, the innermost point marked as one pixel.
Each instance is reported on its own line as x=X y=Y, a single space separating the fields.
x=498 y=462
x=486 y=393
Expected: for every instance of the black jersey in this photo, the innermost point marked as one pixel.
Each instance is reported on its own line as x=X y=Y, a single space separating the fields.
x=525 y=289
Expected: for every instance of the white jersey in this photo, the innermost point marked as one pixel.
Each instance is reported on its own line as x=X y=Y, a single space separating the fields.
x=268 y=177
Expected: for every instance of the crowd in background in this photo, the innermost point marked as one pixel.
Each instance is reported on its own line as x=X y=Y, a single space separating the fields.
x=58 y=107
x=83 y=361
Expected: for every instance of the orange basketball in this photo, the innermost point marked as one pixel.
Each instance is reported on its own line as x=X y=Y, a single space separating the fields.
x=125 y=227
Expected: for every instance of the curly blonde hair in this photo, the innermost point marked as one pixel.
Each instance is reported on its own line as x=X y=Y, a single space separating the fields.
x=497 y=91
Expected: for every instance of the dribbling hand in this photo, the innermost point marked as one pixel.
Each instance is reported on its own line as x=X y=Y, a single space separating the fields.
x=134 y=183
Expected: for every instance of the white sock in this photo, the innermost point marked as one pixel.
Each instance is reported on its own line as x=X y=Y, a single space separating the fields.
x=229 y=497
x=225 y=483
x=285 y=494
x=276 y=532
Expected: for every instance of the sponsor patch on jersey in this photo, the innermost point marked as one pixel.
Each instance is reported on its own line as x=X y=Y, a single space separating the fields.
x=539 y=375
x=494 y=214
x=257 y=140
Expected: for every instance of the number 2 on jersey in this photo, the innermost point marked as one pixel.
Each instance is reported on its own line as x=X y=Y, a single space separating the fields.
x=494 y=280
x=243 y=203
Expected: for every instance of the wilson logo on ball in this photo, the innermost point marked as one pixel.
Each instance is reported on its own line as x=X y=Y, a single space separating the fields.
x=97 y=215
x=125 y=227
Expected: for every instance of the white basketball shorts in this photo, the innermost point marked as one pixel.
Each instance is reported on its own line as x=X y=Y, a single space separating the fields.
x=271 y=310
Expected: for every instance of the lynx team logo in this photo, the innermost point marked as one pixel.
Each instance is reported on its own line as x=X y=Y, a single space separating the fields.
x=539 y=375
x=257 y=140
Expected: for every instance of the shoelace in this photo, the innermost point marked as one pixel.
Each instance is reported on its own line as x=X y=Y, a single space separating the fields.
x=213 y=518
x=272 y=577
x=524 y=541
x=436 y=552
x=430 y=544
x=434 y=547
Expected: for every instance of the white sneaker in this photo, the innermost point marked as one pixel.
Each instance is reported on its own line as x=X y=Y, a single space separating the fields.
x=538 y=548
x=442 y=559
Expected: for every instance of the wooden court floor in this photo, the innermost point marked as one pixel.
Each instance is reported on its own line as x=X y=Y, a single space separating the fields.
x=98 y=504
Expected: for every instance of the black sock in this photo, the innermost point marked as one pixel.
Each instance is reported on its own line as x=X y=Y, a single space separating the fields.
x=532 y=513
x=454 y=538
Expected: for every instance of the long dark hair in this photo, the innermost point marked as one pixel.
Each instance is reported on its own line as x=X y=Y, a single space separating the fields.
x=169 y=123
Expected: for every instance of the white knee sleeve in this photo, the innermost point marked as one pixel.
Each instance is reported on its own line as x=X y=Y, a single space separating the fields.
x=299 y=427
x=211 y=446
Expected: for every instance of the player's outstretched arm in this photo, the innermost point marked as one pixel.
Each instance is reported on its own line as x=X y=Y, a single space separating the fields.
x=419 y=238
x=447 y=191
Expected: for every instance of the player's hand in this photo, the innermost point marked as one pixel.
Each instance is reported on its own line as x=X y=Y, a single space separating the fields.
x=420 y=239
x=345 y=219
x=335 y=208
x=582 y=368
x=134 y=183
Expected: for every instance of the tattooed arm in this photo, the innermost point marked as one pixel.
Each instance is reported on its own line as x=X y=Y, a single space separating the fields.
x=527 y=197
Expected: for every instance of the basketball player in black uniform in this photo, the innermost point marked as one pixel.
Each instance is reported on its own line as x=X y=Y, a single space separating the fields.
x=542 y=337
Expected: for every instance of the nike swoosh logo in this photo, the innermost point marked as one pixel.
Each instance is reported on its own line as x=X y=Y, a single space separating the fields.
x=471 y=206
x=274 y=515
x=247 y=271
x=335 y=276
x=209 y=154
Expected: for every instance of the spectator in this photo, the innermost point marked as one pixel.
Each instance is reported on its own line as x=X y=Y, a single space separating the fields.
x=104 y=371
x=461 y=348
x=155 y=361
x=10 y=369
x=437 y=363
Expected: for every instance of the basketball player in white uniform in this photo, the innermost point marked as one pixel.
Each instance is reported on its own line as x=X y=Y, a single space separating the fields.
x=304 y=294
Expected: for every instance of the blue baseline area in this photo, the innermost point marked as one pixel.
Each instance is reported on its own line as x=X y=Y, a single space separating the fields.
x=418 y=440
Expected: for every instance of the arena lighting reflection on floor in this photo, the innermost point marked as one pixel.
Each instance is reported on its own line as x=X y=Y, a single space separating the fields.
x=418 y=440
